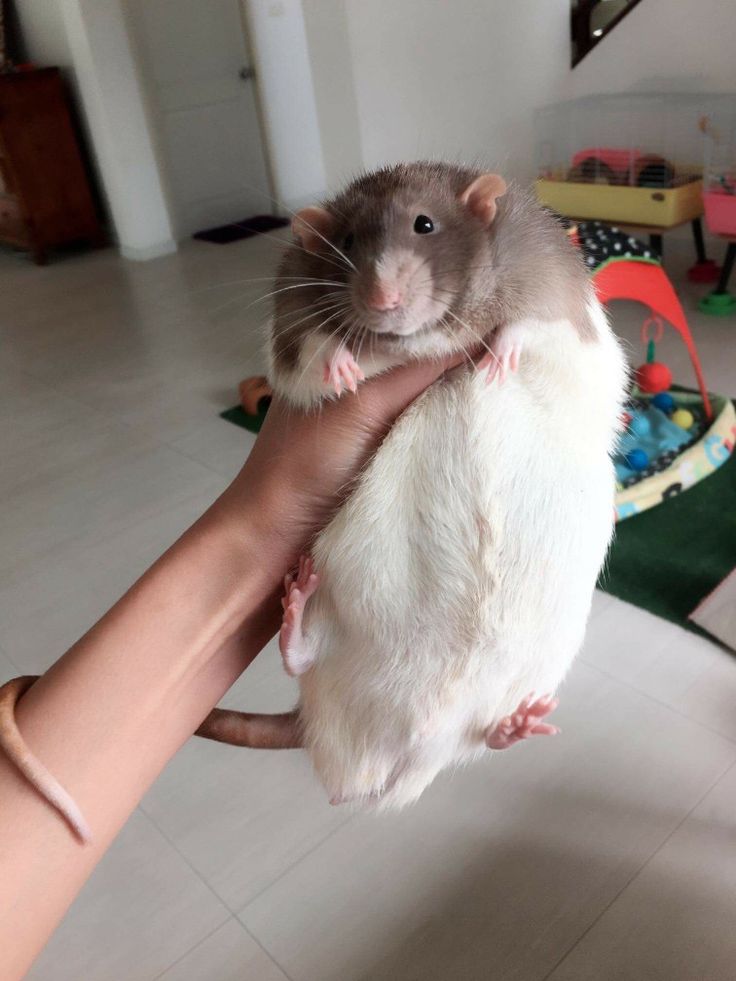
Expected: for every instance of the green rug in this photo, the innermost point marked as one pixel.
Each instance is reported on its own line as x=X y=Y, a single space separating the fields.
x=669 y=558
x=666 y=559
x=240 y=417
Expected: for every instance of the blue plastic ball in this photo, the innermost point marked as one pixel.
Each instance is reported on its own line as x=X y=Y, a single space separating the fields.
x=664 y=402
x=640 y=426
x=636 y=460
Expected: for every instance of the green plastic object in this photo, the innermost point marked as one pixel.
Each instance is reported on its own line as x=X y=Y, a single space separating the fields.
x=718 y=304
x=240 y=417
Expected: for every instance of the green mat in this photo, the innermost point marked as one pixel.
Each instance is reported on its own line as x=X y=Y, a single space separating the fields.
x=666 y=559
x=669 y=558
x=240 y=417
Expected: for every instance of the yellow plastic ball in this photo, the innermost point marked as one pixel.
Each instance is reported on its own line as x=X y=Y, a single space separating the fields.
x=682 y=418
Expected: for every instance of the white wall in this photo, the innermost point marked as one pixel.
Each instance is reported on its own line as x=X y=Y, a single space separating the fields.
x=44 y=34
x=291 y=129
x=460 y=78
x=661 y=45
x=327 y=31
x=448 y=79
x=107 y=78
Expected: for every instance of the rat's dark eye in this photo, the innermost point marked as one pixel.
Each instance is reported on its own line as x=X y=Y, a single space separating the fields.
x=423 y=225
x=348 y=241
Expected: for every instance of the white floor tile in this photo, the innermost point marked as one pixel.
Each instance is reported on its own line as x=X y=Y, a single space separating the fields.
x=601 y=601
x=697 y=678
x=218 y=444
x=229 y=954
x=674 y=666
x=243 y=817
x=142 y=909
x=675 y=921
x=621 y=639
x=7 y=669
x=117 y=488
x=500 y=868
x=45 y=611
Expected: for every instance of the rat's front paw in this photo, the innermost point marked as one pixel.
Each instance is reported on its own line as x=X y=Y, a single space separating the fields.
x=502 y=356
x=343 y=371
x=298 y=587
x=524 y=722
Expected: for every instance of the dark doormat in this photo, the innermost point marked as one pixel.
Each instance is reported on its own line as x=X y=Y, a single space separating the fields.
x=665 y=560
x=241 y=229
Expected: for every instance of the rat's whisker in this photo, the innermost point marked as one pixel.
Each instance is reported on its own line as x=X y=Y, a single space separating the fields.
x=266 y=296
x=288 y=327
x=297 y=286
x=316 y=281
x=327 y=242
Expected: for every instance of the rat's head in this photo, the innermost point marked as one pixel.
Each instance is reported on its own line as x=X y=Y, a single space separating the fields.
x=403 y=243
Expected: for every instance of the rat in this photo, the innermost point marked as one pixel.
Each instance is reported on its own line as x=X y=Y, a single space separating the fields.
x=440 y=609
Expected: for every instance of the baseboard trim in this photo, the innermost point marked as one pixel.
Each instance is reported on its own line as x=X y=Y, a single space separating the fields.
x=146 y=252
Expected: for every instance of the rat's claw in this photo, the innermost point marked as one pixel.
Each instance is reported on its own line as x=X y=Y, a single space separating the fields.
x=343 y=371
x=524 y=722
x=503 y=357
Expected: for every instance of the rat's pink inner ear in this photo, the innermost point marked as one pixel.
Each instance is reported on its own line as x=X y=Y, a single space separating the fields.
x=311 y=226
x=481 y=196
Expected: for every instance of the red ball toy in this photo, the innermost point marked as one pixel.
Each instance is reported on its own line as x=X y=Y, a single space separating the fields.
x=653 y=377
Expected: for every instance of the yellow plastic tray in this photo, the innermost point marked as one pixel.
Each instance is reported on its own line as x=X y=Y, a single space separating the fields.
x=648 y=206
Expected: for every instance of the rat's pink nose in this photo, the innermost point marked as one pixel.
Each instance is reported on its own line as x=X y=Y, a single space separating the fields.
x=383 y=297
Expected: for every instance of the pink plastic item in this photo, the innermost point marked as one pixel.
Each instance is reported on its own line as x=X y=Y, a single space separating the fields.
x=720 y=212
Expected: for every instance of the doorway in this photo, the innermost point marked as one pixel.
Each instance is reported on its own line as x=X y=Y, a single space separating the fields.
x=200 y=86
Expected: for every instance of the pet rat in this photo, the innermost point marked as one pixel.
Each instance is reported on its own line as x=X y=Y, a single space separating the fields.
x=452 y=588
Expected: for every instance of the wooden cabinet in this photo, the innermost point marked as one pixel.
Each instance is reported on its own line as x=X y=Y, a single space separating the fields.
x=45 y=197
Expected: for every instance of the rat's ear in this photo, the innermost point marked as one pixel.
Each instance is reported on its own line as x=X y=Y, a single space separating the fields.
x=311 y=226
x=480 y=196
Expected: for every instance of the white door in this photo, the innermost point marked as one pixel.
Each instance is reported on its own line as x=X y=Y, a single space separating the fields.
x=196 y=70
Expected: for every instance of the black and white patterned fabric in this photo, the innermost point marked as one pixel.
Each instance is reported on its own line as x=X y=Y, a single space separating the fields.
x=600 y=242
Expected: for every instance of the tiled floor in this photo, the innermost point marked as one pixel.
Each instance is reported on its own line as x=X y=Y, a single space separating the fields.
x=605 y=854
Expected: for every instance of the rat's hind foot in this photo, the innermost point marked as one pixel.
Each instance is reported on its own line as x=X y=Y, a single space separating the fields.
x=524 y=722
x=343 y=371
x=294 y=649
x=503 y=356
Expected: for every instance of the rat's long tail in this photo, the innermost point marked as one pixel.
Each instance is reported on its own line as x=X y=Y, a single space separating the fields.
x=12 y=742
x=280 y=731
x=259 y=731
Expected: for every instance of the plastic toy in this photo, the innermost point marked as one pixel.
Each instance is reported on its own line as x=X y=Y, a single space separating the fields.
x=637 y=460
x=255 y=395
x=664 y=402
x=639 y=425
x=647 y=283
x=683 y=418
x=608 y=165
x=654 y=377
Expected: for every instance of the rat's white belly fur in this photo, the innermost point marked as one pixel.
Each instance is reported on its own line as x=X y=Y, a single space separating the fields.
x=458 y=576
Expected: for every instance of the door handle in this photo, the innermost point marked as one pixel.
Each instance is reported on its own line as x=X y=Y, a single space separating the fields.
x=246 y=73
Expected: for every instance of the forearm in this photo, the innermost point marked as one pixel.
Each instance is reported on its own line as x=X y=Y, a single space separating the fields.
x=111 y=712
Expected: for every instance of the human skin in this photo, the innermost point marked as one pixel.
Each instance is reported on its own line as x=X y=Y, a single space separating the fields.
x=111 y=712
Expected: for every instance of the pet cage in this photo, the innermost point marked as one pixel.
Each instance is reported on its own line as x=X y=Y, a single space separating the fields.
x=634 y=158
